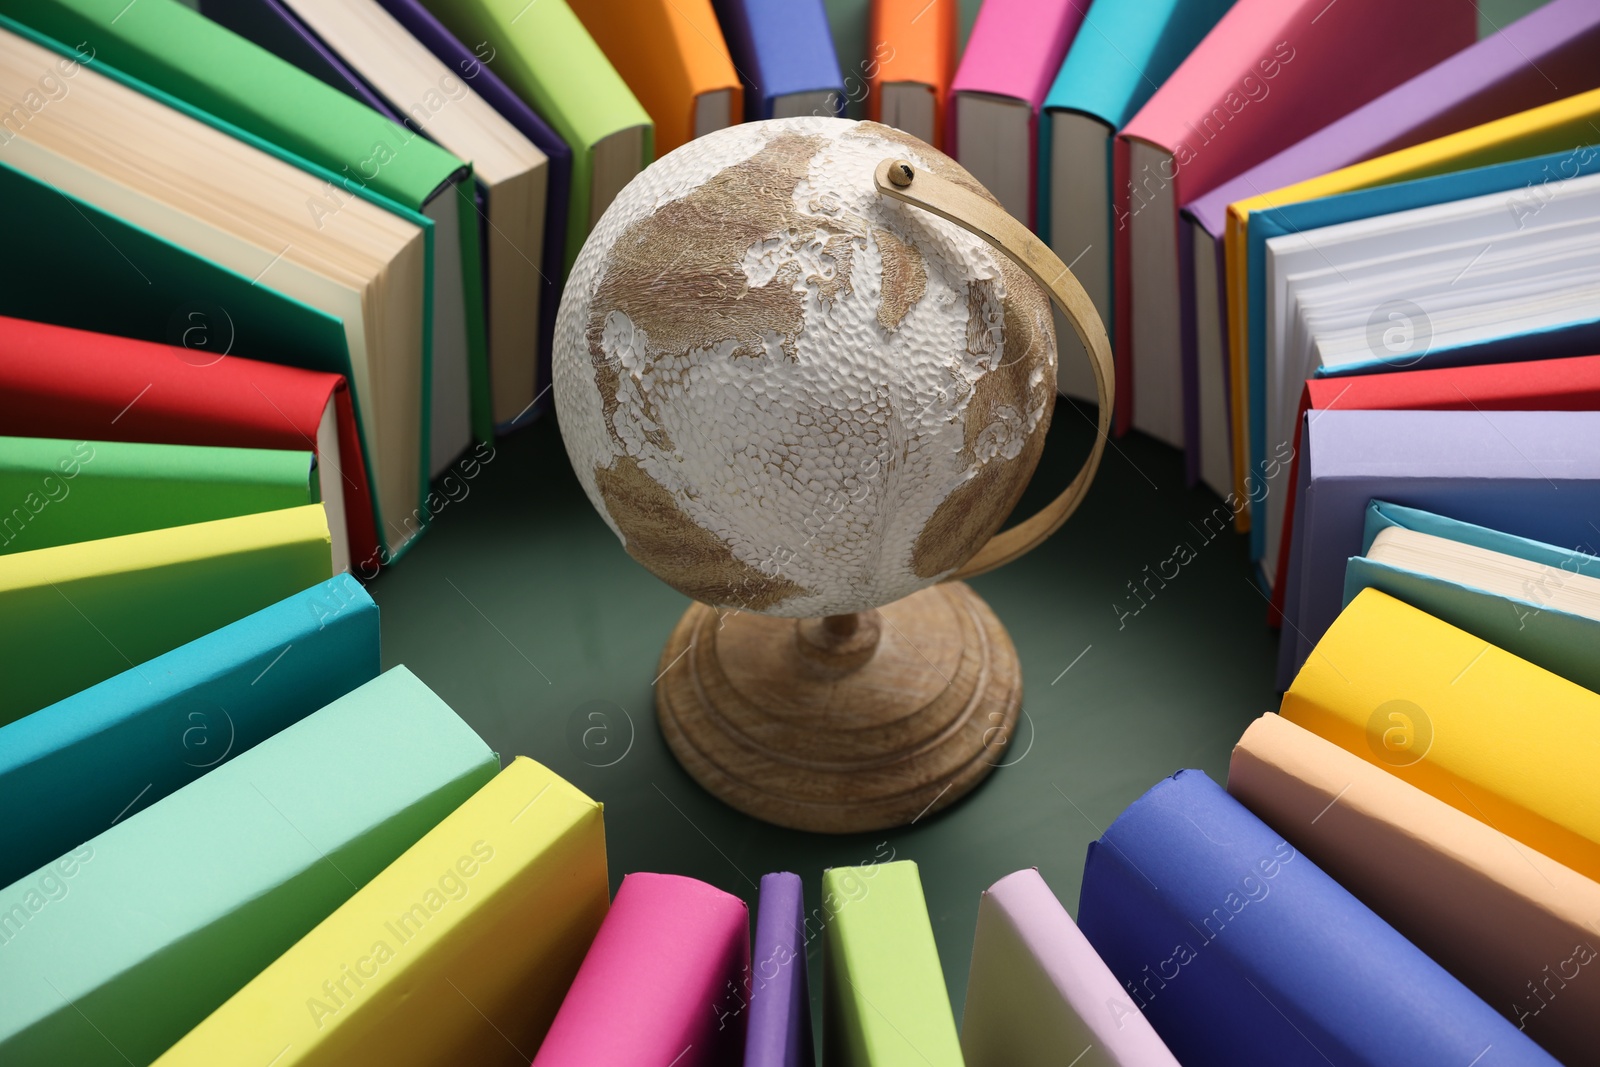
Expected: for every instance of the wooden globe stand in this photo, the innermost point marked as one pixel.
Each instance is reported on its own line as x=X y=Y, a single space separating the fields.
x=880 y=718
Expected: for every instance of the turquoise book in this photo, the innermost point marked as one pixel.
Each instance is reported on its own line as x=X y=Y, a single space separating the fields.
x=1120 y=57
x=102 y=755
x=1518 y=594
x=111 y=953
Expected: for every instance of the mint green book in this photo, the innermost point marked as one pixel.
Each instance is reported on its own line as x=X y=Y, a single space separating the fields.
x=70 y=491
x=113 y=952
x=883 y=992
x=545 y=55
x=177 y=51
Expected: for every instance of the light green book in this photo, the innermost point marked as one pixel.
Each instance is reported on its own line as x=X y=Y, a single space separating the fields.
x=70 y=491
x=173 y=49
x=543 y=52
x=883 y=991
x=109 y=955
x=74 y=615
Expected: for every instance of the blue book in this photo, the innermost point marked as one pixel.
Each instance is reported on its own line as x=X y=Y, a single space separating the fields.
x=1523 y=178
x=1120 y=57
x=1526 y=625
x=96 y=758
x=784 y=55
x=1238 y=949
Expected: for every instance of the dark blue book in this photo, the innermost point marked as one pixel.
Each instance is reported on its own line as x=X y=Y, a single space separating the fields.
x=785 y=58
x=1238 y=949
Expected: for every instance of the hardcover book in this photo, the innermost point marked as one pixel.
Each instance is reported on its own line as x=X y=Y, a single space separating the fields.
x=119 y=746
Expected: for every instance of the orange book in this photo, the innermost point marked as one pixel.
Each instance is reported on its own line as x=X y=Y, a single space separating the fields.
x=910 y=60
x=672 y=55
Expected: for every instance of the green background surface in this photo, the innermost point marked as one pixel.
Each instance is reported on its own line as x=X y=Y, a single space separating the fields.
x=522 y=610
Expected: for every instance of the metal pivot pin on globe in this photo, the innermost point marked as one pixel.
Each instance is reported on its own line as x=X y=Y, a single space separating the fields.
x=804 y=370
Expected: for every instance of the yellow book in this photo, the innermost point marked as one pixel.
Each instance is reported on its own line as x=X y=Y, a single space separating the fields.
x=459 y=952
x=1493 y=736
x=1568 y=123
x=76 y=614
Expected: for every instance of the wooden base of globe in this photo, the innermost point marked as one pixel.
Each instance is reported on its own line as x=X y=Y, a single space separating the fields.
x=845 y=724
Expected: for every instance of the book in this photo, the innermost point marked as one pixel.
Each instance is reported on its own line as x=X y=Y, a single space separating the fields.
x=224 y=196
x=1429 y=703
x=1015 y=50
x=1037 y=992
x=183 y=55
x=1531 y=61
x=908 y=63
x=1124 y=52
x=1435 y=388
x=1534 y=600
x=115 y=748
x=663 y=980
x=121 y=488
x=1523 y=472
x=457 y=952
x=1240 y=949
x=74 y=615
x=672 y=55
x=359 y=47
x=883 y=993
x=162 y=917
x=779 y=1031
x=1561 y=129
x=784 y=57
x=1211 y=120
x=433 y=35
x=547 y=56
x=66 y=382
x=1434 y=873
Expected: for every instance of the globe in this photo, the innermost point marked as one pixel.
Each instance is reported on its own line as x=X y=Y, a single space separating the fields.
x=788 y=394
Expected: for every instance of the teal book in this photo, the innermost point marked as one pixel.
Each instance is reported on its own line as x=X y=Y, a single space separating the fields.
x=168 y=47
x=111 y=953
x=123 y=487
x=1121 y=55
x=104 y=754
x=1524 y=617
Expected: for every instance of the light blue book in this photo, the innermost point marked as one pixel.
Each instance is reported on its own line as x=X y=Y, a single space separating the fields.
x=1523 y=179
x=1121 y=55
x=1526 y=625
x=111 y=953
x=92 y=760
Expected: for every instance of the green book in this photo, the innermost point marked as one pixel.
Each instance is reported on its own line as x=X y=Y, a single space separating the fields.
x=70 y=491
x=543 y=52
x=883 y=992
x=179 y=52
x=113 y=952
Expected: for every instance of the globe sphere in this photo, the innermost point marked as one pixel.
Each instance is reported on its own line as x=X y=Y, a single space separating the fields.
x=787 y=393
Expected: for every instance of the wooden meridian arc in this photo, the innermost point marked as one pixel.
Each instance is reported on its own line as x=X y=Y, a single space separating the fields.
x=880 y=718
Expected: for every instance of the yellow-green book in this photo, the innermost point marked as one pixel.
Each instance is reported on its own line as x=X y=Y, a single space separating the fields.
x=74 y=615
x=459 y=952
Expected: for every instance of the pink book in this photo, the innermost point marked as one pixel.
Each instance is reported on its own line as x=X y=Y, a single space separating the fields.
x=1038 y=994
x=1269 y=73
x=663 y=983
x=1015 y=51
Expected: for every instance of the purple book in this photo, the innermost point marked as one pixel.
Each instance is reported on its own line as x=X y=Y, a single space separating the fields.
x=1533 y=474
x=433 y=36
x=1544 y=56
x=779 y=1030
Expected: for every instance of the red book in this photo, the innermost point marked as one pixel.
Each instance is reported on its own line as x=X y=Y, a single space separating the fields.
x=60 y=382
x=1571 y=384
